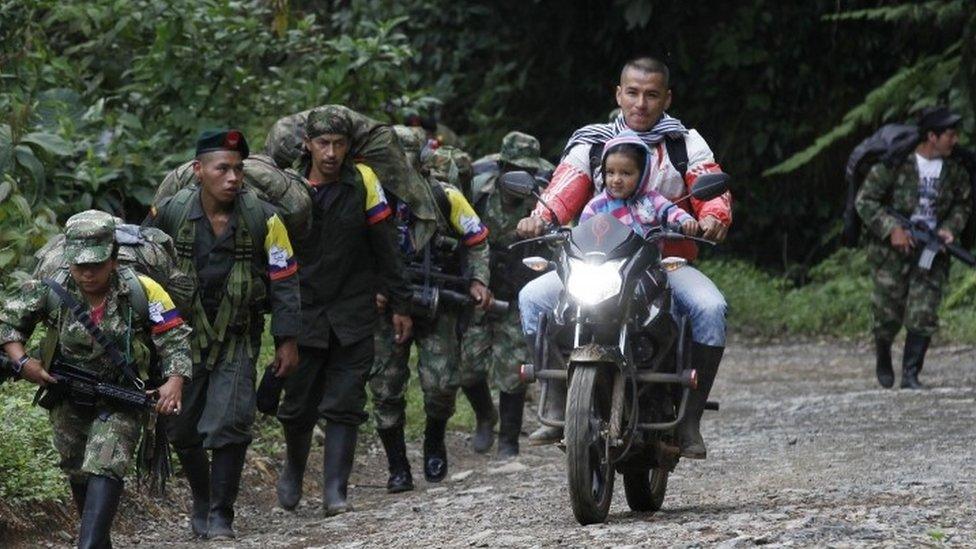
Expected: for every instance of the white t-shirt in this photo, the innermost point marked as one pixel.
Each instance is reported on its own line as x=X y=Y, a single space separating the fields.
x=929 y=171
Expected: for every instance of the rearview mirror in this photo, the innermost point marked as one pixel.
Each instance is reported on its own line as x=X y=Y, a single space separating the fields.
x=710 y=185
x=519 y=183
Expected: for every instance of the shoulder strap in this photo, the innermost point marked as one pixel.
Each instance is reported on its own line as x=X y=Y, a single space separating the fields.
x=81 y=315
x=175 y=209
x=253 y=215
x=678 y=154
x=596 y=155
x=443 y=203
x=138 y=299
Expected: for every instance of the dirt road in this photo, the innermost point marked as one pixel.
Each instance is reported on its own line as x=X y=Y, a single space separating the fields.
x=807 y=451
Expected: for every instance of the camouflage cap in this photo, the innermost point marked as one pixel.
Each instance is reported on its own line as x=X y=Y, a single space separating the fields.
x=89 y=237
x=520 y=149
x=448 y=164
x=328 y=119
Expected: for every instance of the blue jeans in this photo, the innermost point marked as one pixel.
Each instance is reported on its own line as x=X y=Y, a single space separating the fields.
x=695 y=296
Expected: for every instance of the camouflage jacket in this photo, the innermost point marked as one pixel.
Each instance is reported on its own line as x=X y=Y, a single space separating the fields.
x=897 y=187
x=161 y=327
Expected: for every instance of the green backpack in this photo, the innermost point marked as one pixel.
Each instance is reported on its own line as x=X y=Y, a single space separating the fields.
x=283 y=189
x=374 y=144
x=146 y=250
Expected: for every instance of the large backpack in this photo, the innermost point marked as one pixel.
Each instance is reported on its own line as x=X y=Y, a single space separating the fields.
x=374 y=144
x=283 y=189
x=890 y=145
x=146 y=250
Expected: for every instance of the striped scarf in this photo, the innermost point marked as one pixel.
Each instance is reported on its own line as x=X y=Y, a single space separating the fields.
x=600 y=133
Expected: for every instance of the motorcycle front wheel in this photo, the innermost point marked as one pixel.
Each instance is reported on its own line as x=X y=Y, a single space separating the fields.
x=589 y=470
x=645 y=490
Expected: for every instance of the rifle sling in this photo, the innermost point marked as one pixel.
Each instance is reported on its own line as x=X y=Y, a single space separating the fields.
x=81 y=315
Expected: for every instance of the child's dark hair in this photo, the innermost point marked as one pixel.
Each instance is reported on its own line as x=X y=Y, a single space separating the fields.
x=631 y=150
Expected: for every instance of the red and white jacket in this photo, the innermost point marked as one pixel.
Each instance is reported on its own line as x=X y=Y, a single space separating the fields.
x=573 y=185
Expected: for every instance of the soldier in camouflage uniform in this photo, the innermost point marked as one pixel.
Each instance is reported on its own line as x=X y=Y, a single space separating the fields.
x=239 y=251
x=97 y=443
x=929 y=188
x=437 y=339
x=498 y=344
x=426 y=113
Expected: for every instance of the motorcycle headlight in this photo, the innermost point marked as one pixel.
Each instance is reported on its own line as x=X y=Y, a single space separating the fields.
x=591 y=284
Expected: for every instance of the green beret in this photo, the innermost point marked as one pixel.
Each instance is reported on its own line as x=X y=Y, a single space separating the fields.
x=222 y=140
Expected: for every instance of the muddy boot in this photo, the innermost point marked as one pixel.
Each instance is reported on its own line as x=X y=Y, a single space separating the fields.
x=396 y=456
x=102 y=497
x=915 y=348
x=196 y=467
x=225 y=482
x=340 y=448
x=886 y=376
x=705 y=359
x=555 y=399
x=479 y=395
x=510 y=406
x=78 y=490
x=435 y=451
x=298 y=442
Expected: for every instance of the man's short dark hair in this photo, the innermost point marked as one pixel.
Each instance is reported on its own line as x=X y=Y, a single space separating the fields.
x=648 y=65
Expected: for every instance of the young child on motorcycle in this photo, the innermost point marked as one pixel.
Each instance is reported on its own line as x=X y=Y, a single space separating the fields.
x=627 y=194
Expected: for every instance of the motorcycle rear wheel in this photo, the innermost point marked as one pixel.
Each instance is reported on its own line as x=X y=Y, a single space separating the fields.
x=645 y=490
x=589 y=471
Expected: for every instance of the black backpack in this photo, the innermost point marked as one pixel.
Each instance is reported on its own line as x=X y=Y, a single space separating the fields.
x=890 y=144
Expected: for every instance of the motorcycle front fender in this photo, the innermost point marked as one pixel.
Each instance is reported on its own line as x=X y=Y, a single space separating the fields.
x=594 y=352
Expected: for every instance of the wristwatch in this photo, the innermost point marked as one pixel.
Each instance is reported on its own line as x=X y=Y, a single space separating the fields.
x=19 y=364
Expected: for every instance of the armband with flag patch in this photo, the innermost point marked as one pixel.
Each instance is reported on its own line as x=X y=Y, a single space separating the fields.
x=281 y=256
x=377 y=208
x=163 y=315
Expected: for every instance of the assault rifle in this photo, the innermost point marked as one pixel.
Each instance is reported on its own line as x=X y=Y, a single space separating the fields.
x=431 y=288
x=86 y=389
x=931 y=243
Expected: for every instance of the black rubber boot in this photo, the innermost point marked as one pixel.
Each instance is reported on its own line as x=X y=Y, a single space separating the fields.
x=705 y=359
x=435 y=451
x=555 y=404
x=340 y=448
x=479 y=395
x=78 y=490
x=510 y=406
x=882 y=352
x=102 y=497
x=396 y=456
x=915 y=348
x=196 y=467
x=225 y=482
x=298 y=443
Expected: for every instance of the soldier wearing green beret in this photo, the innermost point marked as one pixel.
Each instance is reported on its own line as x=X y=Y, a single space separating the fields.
x=460 y=244
x=97 y=441
x=351 y=250
x=238 y=248
x=496 y=345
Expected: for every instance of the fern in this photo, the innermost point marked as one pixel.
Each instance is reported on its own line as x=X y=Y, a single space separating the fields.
x=919 y=80
x=941 y=11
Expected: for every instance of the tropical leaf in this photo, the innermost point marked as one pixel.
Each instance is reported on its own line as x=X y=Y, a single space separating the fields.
x=49 y=142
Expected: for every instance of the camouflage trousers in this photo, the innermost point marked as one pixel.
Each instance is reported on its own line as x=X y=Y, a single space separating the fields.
x=438 y=353
x=93 y=441
x=905 y=294
x=495 y=346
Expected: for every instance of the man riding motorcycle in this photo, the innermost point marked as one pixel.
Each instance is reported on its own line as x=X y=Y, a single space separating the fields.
x=681 y=156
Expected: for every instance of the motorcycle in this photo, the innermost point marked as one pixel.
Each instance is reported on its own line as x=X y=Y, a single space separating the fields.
x=626 y=357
